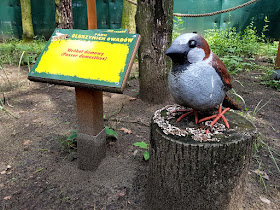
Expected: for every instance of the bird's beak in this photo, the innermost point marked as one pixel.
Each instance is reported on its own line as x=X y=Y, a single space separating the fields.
x=169 y=51
x=176 y=49
x=173 y=49
x=177 y=53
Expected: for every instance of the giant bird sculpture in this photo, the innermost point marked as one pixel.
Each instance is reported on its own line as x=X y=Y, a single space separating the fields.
x=198 y=79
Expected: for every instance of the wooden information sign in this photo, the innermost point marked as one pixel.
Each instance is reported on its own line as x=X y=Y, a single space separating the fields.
x=92 y=61
x=95 y=59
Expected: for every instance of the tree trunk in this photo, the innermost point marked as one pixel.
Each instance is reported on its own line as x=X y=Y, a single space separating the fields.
x=128 y=16
x=188 y=174
x=26 y=18
x=154 y=22
x=64 y=14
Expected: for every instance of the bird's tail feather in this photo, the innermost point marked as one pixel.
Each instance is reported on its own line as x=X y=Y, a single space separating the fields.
x=228 y=102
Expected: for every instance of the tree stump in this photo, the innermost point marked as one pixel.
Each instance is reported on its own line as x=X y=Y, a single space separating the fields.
x=192 y=170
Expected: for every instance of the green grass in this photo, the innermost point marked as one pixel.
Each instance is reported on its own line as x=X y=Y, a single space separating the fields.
x=177 y=27
x=261 y=146
x=2 y=108
x=12 y=49
x=238 y=50
x=69 y=143
x=145 y=149
x=270 y=82
x=246 y=43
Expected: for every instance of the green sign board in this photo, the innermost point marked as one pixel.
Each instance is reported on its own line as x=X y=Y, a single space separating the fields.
x=94 y=59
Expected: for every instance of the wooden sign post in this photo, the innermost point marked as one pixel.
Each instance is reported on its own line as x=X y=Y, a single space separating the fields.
x=92 y=61
x=91 y=14
x=277 y=62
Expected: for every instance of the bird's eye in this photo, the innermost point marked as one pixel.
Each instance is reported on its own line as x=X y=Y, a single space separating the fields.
x=192 y=43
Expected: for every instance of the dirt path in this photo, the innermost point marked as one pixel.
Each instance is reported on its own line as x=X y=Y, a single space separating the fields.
x=37 y=174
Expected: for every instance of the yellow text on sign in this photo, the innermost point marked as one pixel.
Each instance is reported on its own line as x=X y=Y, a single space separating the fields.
x=101 y=61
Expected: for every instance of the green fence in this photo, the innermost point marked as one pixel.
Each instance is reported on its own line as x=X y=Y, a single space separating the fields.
x=10 y=18
x=239 y=18
x=109 y=15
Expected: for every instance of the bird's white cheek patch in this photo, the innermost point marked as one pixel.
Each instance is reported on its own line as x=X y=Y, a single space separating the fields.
x=196 y=55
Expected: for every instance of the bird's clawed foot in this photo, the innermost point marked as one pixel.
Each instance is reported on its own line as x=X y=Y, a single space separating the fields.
x=188 y=113
x=217 y=117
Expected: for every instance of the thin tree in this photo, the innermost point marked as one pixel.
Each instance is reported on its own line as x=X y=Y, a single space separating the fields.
x=26 y=19
x=64 y=14
x=154 y=22
x=128 y=16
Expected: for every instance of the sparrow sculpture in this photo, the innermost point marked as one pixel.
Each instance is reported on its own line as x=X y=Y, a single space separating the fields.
x=198 y=79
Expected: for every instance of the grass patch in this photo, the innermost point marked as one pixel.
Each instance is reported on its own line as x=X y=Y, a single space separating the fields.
x=261 y=146
x=69 y=143
x=238 y=50
x=14 y=50
x=268 y=81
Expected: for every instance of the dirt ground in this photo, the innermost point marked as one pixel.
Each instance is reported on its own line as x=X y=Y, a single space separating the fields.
x=37 y=174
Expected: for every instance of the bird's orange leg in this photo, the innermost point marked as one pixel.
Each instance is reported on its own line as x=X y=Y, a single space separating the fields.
x=190 y=112
x=217 y=117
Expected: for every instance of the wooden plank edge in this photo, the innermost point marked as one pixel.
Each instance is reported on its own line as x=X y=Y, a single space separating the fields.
x=76 y=84
x=132 y=58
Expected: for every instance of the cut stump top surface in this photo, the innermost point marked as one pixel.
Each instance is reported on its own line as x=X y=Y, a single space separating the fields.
x=186 y=131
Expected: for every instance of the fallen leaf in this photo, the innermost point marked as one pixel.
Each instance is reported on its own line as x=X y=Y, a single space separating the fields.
x=8 y=169
x=125 y=130
x=14 y=133
x=26 y=142
x=1 y=185
x=121 y=194
x=38 y=170
x=132 y=99
x=7 y=197
x=265 y=200
x=261 y=173
x=135 y=153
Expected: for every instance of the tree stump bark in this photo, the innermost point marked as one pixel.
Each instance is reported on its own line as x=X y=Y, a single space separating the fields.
x=188 y=174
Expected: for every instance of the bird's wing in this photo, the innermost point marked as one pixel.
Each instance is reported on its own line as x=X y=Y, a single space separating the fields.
x=221 y=69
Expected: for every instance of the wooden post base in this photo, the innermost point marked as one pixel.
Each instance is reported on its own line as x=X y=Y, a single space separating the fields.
x=91 y=139
x=188 y=174
x=91 y=150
